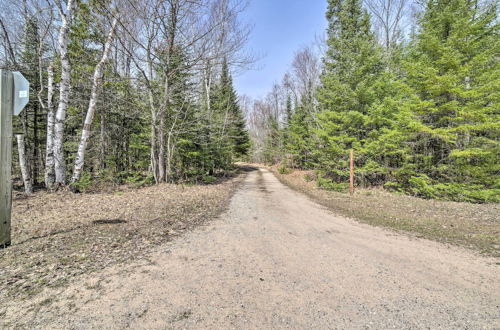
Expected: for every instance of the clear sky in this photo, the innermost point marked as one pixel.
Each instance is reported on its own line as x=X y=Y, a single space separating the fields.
x=281 y=27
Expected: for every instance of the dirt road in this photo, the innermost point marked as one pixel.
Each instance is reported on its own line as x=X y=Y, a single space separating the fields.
x=278 y=260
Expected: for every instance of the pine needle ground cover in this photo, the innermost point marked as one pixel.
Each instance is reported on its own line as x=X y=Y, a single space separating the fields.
x=59 y=236
x=475 y=226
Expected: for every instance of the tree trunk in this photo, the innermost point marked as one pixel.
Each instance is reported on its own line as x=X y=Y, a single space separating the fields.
x=161 y=151
x=80 y=155
x=154 y=164
x=35 y=147
x=164 y=109
x=103 y=144
x=64 y=91
x=162 y=175
x=28 y=187
x=50 y=176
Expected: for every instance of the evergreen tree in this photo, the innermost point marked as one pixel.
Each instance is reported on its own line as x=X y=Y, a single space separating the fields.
x=30 y=119
x=288 y=109
x=225 y=101
x=454 y=70
x=182 y=136
x=352 y=67
x=298 y=138
x=273 y=142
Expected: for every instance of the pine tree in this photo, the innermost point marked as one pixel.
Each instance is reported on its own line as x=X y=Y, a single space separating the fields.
x=288 y=109
x=273 y=152
x=30 y=119
x=352 y=66
x=183 y=143
x=298 y=138
x=454 y=70
x=225 y=101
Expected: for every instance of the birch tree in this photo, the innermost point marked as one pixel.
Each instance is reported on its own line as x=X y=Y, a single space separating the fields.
x=21 y=148
x=96 y=86
x=66 y=13
x=50 y=177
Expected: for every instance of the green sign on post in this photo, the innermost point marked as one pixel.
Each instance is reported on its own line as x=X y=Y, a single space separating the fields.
x=14 y=95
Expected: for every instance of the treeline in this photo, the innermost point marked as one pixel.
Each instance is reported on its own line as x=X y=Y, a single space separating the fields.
x=413 y=89
x=127 y=91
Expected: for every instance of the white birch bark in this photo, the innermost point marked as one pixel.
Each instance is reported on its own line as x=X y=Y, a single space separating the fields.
x=21 y=148
x=50 y=176
x=80 y=155
x=64 y=92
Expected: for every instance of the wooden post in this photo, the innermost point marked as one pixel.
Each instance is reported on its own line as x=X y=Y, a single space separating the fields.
x=351 y=174
x=6 y=106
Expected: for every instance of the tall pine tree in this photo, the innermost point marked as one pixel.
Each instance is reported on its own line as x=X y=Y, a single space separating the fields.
x=234 y=135
x=352 y=66
x=454 y=70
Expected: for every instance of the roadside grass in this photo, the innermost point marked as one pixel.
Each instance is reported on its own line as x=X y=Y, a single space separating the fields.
x=475 y=226
x=58 y=236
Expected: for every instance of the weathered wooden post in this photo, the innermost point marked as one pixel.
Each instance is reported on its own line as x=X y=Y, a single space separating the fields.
x=6 y=102
x=351 y=174
x=14 y=95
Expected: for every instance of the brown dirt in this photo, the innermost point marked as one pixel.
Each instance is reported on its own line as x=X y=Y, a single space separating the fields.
x=62 y=235
x=475 y=226
x=276 y=259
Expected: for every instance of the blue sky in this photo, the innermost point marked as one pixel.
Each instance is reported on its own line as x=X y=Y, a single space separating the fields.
x=281 y=27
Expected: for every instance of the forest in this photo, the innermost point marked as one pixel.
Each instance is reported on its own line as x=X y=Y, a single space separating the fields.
x=141 y=92
x=137 y=92
x=412 y=87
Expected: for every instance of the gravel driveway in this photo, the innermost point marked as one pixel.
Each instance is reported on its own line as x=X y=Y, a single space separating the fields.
x=278 y=260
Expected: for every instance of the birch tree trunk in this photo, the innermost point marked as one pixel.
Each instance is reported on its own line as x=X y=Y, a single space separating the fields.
x=80 y=155
x=50 y=176
x=64 y=91
x=21 y=148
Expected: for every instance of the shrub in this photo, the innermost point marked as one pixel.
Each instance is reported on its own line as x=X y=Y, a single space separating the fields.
x=421 y=185
x=328 y=184
x=138 y=179
x=282 y=169
x=83 y=184
x=309 y=177
x=209 y=179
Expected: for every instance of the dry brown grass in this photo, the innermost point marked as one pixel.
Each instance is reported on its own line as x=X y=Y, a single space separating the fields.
x=61 y=235
x=475 y=226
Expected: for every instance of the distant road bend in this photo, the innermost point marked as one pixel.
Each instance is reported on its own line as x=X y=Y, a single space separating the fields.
x=276 y=259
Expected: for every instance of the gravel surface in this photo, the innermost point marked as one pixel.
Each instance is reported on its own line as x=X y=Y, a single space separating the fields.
x=276 y=259
x=474 y=226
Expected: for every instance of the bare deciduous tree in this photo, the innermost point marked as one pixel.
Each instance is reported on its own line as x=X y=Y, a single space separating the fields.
x=391 y=19
x=96 y=86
